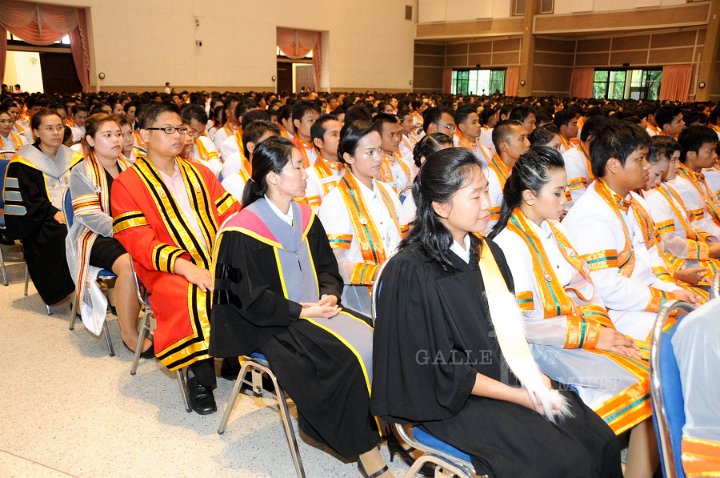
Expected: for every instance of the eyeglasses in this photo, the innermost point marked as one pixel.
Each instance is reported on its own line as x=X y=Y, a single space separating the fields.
x=450 y=127
x=170 y=129
x=50 y=129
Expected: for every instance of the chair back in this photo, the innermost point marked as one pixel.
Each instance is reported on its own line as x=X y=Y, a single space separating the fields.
x=3 y=167
x=666 y=392
x=67 y=208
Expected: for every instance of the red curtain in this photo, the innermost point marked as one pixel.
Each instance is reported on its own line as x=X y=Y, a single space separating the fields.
x=675 y=84
x=512 y=80
x=296 y=44
x=40 y=24
x=581 y=82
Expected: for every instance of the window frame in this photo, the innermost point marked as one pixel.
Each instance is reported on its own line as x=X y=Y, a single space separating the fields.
x=465 y=73
x=644 y=89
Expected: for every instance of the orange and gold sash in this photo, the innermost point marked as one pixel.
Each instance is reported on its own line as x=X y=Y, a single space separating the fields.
x=364 y=228
x=625 y=259
x=303 y=147
x=632 y=405
x=16 y=140
x=502 y=170
x=99 y=202
x=326 y=169
x=703 y=188
x=203 y=152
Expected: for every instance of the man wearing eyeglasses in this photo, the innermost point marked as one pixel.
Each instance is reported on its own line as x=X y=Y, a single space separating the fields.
x=439 y=119
x=166 y=213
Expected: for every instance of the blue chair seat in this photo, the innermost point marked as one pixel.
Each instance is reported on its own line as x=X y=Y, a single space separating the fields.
x=106 y=274
x=432 y=442
x=259 y=357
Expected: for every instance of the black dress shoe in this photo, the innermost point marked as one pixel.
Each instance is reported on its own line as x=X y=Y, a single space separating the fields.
x=202 y=400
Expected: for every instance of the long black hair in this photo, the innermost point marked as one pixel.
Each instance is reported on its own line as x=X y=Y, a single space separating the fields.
x=270 y=156
x=531 y=172
x=442 y=175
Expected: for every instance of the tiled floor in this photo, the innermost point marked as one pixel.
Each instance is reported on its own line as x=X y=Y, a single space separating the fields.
x=69 y=409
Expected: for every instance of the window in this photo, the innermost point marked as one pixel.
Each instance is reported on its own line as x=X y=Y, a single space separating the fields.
x=64 y=41
x=546 y=6
x=477 y=82
x=625 y=84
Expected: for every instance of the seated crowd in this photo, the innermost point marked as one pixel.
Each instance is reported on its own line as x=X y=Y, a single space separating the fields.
x=487 y=268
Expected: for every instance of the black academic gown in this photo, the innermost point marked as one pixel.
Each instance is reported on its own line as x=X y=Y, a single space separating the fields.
x=43 y=238
x=433 y=335
x=321 y=375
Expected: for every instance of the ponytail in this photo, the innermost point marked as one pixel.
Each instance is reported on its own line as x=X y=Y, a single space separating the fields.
x=269 y=156
x=529 y=173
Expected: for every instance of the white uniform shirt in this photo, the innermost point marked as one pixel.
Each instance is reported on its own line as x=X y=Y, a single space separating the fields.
x=336 y=220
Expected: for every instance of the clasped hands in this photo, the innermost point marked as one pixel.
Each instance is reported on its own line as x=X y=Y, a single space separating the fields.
x=325 y=308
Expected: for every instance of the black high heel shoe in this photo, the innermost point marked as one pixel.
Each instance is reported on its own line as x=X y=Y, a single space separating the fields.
x=364 y=473
x=395 y=448
x=149 y=353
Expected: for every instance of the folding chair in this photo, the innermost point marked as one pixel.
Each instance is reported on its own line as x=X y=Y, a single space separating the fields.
x=148 y=317
x=105 y=279
x=3 y=167
x=258 y=366
x=666 y=392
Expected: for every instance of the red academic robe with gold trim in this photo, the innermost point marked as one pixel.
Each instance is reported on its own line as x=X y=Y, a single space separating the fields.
x=150 y=225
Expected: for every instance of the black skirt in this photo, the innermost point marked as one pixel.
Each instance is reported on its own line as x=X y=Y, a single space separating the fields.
x=505 y=439
x=105 y=251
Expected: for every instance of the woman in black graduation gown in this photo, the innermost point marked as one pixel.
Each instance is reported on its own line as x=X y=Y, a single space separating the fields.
x=276 y=291
x=35 y=181
x=441 y=360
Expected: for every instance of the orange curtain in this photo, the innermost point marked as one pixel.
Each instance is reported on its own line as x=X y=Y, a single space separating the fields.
x=447 y=81
x=512 y=80
x=581 y=82
x=675 y=84
x=40 y=24
x=296 y=44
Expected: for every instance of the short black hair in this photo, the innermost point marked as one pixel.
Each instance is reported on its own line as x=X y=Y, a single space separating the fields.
x=693 y=138
x=433 y=115
x=317 y=130
x=521 y=113
x=463 y=112
x=153 y=110
x=194 y=112
x=617 y=139
x=563 y=117
x=665 y=114
x=254 y=131
x=501 y=132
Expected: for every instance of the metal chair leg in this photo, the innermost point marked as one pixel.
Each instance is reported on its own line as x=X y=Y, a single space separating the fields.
x=49 y=309
x=182 y=382
x=233 y=396
x=4 y=271
x=74 y=312
x=141 y=340
x=289 y=431
x=108 y=342
x=27 y=279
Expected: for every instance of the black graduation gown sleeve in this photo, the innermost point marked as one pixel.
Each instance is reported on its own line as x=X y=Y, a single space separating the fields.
x=38 y=219
x=248 y=303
